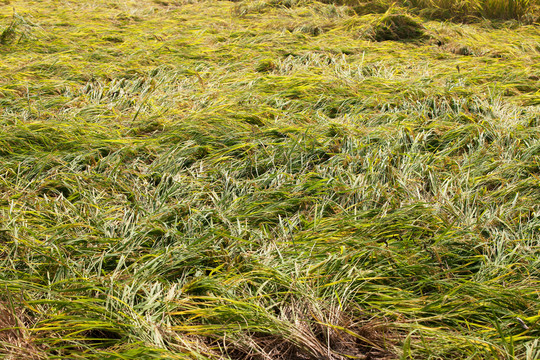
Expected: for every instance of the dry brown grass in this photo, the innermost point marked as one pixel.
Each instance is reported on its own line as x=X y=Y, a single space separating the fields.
x=16 y=341
x=316 y=334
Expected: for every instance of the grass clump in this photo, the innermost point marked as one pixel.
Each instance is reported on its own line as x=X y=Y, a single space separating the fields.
x=396 y=27
x=8 y=35
x=266 y=65
x=15 y=31
x=371 y=7
x=259 y=6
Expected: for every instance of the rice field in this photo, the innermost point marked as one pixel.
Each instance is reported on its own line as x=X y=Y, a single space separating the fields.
x=269 y=179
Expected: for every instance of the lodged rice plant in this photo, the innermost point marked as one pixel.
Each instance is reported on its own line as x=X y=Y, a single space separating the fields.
x=219 y=180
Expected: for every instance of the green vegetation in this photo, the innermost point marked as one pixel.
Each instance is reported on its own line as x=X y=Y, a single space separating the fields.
x=269 y=180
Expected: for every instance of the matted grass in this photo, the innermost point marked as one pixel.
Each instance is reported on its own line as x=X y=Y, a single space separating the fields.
x=262 y=180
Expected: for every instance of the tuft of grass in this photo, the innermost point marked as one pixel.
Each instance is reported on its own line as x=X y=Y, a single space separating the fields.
x=245 y=7
x=14 y=31
x=266 y=65
x=8 y=35
x=396 y=27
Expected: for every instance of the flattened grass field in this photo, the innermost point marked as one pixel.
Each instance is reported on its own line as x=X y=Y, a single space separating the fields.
x=269 y=179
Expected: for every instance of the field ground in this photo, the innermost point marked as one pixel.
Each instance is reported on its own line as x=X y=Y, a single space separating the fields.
x=267 y=180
